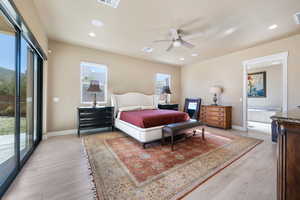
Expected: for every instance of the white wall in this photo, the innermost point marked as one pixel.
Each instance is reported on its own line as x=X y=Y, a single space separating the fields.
x=274 y=88
x=125 y=74
x=227 y=71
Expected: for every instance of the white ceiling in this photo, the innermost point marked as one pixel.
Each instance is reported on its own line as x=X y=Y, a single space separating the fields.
x=136 y=23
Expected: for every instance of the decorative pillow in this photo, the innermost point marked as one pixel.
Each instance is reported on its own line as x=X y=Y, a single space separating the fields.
x=129 y=108
x=148 y=107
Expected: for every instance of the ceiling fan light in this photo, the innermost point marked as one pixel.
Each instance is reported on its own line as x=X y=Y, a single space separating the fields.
x=176 y=43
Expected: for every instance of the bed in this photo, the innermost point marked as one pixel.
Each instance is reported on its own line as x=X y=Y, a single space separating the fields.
x=137 y=115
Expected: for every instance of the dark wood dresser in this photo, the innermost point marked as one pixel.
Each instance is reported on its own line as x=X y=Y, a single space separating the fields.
x=288 y=155
x=92 y=118
x=216 y=116
x=169 y=106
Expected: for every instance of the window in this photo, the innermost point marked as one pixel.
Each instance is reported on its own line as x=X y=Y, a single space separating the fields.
x=20 y=101
x=7 y=100
x=93 y=73
x=162 y=80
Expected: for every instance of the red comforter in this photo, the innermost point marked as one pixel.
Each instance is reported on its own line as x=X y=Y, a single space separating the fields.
x=152 y=118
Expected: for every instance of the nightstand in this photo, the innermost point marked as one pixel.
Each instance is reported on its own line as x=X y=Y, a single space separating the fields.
x=92 y=118
x=169 y=106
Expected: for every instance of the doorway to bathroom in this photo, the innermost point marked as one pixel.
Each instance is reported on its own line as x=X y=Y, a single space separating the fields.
x=265 y=91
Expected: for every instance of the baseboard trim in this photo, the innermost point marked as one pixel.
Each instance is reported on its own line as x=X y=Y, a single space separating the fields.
x=74 y=131
x=239 y=128
x=60 y=133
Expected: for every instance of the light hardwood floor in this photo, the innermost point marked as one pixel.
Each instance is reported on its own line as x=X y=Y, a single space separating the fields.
x=58 y=171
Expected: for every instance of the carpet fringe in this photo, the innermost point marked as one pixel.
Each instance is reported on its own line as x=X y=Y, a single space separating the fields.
x=90 y=172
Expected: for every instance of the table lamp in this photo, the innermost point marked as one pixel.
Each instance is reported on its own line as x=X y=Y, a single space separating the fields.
x=216 y=90
x=165 y=91
x=94 y=88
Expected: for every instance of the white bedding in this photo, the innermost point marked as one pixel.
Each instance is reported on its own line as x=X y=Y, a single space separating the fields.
x=143 y=135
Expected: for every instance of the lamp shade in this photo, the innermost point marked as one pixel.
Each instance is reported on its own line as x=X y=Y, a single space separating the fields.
x=94 y=86
x=215 y=90
x=166 y=90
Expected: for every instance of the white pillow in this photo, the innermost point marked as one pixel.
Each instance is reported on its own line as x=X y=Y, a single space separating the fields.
x=129 y=108
x=148 y=107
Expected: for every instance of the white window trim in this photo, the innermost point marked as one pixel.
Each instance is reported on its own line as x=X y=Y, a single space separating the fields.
x=106 y=82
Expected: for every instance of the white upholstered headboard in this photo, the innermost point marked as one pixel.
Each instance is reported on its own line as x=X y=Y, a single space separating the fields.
x=133 y=99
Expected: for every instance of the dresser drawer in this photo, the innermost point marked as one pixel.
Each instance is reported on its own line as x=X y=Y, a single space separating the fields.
x=96 y=115
x=215 y=109
x=220 y=124
x=94 y=124
x=215 y=114
x=169 y=106
x=93 y=110
x=215 y=118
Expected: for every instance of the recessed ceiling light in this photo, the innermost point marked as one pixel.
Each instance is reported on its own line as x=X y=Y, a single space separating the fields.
x=182 y=59
x=49 y=51
x=147 y=49
x=195 y=54
x=97 y=23
x=92 y=34
x=230 y=31
x=274 y=26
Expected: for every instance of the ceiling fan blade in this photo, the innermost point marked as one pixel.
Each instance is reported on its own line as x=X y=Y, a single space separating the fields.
x=190 y=23
x=157 y=41
x=193 y=36
x=187 y=44
x=170 y=47
x=174 y=33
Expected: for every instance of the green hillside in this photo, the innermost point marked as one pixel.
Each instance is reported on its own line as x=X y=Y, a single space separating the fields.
x=6 y=75
x=7 y=81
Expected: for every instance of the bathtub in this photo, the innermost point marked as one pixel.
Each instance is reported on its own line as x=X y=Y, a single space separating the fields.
x=262 y=114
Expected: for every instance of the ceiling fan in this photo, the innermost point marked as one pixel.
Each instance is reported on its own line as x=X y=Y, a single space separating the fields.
x=178 y=39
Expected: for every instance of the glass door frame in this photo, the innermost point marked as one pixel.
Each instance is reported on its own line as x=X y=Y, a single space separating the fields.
x=39 y=104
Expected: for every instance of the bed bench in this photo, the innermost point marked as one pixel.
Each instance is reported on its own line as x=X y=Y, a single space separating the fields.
x=179 y=128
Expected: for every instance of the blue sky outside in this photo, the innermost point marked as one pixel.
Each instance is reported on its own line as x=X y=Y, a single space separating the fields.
x=7 y=52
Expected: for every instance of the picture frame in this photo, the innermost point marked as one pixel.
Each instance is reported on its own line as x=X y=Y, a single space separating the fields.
x=257 y=85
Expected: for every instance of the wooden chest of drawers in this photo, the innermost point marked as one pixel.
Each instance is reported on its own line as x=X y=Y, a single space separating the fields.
x=216 y=116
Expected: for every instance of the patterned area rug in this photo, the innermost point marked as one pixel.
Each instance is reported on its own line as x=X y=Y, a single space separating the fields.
x=122 y=169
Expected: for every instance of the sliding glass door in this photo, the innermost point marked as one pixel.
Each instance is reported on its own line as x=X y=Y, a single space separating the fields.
x=26 y=98
x=20 y=96
x=8 y=156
